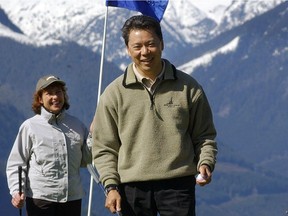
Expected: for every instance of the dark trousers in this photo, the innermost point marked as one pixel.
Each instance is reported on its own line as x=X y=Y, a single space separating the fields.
x=172 y=197
x=38 y=207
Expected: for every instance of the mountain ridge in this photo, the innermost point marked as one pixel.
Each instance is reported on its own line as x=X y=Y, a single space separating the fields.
x=83 y=22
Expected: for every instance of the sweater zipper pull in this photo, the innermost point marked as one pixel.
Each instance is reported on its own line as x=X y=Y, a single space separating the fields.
x=152 y=101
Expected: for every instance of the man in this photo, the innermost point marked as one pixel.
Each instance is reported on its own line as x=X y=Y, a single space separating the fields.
x=153 y=131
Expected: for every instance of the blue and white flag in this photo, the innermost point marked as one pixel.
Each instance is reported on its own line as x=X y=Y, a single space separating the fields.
x=153 y=8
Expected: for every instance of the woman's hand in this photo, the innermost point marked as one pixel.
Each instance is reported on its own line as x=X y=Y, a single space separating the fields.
x=18 y=200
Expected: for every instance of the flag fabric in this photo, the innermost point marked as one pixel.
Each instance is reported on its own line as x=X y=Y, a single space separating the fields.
x=153 y=8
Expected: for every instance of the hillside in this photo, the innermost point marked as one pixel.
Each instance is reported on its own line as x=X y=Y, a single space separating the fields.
x=21 y=66
x=248 y=87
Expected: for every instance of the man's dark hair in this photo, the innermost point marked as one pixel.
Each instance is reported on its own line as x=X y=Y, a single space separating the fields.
x=141 y=22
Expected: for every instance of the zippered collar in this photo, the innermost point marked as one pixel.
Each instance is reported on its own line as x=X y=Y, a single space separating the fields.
x=130 y=77
x=51 y=117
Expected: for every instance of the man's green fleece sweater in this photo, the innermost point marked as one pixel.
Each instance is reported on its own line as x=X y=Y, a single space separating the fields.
x=138 y=136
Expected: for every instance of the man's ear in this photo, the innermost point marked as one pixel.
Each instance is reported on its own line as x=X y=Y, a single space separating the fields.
x=128 y=52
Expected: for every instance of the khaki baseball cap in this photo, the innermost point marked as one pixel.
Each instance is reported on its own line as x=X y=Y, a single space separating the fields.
x=45 y=81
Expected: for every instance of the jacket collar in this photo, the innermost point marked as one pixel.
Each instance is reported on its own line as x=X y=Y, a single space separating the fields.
x=51 y=117
x=130 y=77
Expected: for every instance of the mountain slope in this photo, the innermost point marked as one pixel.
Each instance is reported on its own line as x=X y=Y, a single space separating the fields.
x=21 y=66
x=185 y=25
x=248 y=87
x=79 y=67
x=7 y=22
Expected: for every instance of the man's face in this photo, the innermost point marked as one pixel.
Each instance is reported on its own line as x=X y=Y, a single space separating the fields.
x=145 y=50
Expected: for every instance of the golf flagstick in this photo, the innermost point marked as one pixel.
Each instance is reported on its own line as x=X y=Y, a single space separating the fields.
x=95 y=176
x=20 y=185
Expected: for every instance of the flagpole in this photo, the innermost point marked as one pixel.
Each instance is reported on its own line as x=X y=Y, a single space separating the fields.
x=98 y=97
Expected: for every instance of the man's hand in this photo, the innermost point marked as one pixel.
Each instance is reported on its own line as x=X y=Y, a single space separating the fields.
x=113 y=201
x=205 y=175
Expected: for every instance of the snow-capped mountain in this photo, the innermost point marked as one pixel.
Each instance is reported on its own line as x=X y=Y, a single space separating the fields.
x=50 y=22
x=241 y=11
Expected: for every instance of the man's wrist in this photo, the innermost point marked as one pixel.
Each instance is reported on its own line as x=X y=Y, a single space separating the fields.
x=209 y=167
x=110 y=187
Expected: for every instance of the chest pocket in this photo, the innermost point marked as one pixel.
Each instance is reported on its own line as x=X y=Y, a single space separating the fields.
x=48 y=153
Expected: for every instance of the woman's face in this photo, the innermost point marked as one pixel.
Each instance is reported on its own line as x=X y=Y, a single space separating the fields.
x=53 y=98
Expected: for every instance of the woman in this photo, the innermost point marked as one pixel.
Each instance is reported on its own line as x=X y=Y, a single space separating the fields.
x=50 y=147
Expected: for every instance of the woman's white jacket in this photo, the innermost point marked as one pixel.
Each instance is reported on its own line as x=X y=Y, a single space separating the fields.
x=51 y=149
